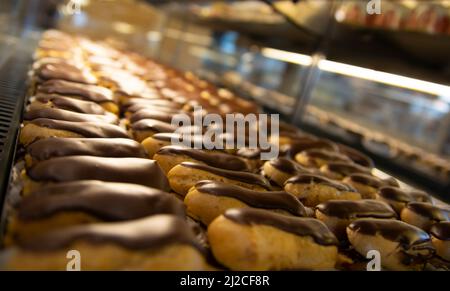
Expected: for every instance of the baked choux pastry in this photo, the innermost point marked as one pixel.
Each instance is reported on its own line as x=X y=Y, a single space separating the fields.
x=356 y=156
x=148 y=127
x=159 y=242
x=401 y=246
x=367 y=185
x=185 y=175
x=43 y=128
x=297 y=145
x=152 y=114
x=67 y=103
x=440 y=237
x=313 y=189
x=316 y=158
x=52 y=147
x=423 y=215
x=172 y=155
x=64 y=71
x=263 y=240
x=340 y=170
x=338 y=214
x=74 y=168
x=208 y=199
x=79 y=202
x=97 y=94
x=281 y=169
x=398 y=198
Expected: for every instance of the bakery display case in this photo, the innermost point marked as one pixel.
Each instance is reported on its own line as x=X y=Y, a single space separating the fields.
x=113 y=144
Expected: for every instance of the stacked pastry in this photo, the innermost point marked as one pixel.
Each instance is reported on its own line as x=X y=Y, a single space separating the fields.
x=103 y=177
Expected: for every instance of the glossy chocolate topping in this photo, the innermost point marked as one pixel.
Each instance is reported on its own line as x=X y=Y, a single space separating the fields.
x=297 y=225
x=66 y=115
x=441 y=230
x=429 y=211
x=301 y=144
x=127 y=170
x=106 y=201
x=288 y=166
x=151 y=114
x=151 y=102
x=71 y=104
x=154 y=125
x=64 y=71
x=348 y=209
x=147 y=233
x=161 y=108
x=345 y=169
x=233 y=175
x=367 y=180
x=260 y=199
x=393 y=230
x=315 y=179
x=249 y=153
x=325 y=155
x=356 y=156
x=397 y=194
x=47 y=148
x=89 y=92
x=213 y=159
x=86 y=129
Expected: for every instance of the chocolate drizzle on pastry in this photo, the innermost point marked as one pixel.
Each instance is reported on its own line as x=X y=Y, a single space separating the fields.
x=66 y=115
x=69 y=103
x=356 y=156
x=148 y=233
x=106 y=201
x=325 y=155
x=218 y=160
x=349 y=209
x=86 y=129
x=47 y=148
x=345 y=168
x=260 y=199
x=393 y=230
x=89 y=92
x=429 y=211
x=288 y=166
x=441 y=230
x=151 y=114
x=367 y=180
x=315 y=179
x=233 y=175
x=396 y=194
x=297 y=225
x=127 y=170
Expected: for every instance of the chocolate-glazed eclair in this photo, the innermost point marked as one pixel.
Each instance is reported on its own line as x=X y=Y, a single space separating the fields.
x=152 y=114
x=64 y=71
x=252 y=156
x=158 y=242
x=297 y=145
x=398 y=198
x=209 y=199
x=264 y=240
x=172 y=155
x=423 y=215
x=62 y=102
x=97 y=94
x=67 y=115
x=368 y=185
x=340 y=170
x=401 y=246
x=151 y=102
x=185 y=175
x=43 y=128
x=52 y=147
x=440 y=237
x=79 y=202
x=74 y=168
x=338 y=214
x=356 y=156
x=316 y=158
x=281 y=169
x=138 y=107
x=313 y=189
x=148 y=127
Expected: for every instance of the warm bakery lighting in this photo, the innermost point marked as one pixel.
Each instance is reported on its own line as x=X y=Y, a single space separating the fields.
x=123 y=27
x=386 y=78
x=285 y=56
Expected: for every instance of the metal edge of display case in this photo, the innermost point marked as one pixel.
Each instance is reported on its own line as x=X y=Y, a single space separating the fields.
x=13 y=91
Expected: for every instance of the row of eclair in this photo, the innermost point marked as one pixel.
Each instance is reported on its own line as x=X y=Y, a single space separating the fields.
x=102 y=177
